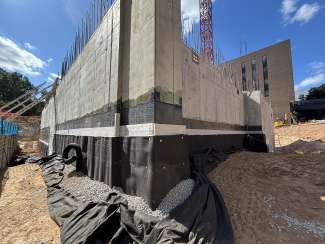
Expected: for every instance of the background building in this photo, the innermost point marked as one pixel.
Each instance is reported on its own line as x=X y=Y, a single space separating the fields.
x=270 y=71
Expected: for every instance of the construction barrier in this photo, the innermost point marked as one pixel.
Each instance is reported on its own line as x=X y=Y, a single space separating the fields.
x=8 y=145
x=8 y=128
x=8 y=142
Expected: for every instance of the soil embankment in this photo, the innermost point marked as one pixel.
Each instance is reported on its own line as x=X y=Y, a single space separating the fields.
x=278 y=197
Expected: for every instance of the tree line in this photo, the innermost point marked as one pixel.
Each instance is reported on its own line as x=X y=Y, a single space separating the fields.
x=314 y=93
x=13 y=85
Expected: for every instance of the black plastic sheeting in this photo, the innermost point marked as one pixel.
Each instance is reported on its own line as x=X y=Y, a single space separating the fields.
x=202 y=218
x=138 y=165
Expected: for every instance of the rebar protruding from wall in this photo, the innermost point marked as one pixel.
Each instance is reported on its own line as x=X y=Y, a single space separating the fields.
x=88 y=26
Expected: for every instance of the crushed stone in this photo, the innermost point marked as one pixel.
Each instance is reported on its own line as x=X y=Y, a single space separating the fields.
x=310 y=226
x=85 y=189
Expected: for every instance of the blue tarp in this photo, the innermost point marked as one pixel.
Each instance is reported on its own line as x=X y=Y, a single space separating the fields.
x=8 y=128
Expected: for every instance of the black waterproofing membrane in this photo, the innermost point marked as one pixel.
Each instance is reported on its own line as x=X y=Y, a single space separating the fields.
x=202 y=218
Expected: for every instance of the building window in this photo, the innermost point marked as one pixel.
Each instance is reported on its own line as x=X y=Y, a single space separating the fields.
x=254 y=75
x=244 y=78
x=266 y=77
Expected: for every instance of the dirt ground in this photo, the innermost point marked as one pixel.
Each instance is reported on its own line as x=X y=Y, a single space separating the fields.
x=24 y=217
x=29 y=147
x=278 y=197
x=307 y=132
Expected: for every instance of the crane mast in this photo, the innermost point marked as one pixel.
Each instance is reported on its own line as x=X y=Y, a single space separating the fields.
x=206 y=31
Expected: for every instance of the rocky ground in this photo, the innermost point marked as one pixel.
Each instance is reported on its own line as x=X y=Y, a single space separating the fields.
x=272 y=198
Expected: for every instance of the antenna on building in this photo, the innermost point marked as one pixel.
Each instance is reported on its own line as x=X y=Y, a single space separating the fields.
x=243 y=47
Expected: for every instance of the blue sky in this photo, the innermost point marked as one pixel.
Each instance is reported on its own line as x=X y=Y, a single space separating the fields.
x=36 y=34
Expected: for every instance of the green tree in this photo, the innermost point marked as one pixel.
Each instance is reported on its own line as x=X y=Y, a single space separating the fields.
x=316 y=93
x=302 y=97
x=13 y=85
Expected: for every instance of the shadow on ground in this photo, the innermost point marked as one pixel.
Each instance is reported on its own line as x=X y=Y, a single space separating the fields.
x=301 y=146
x=2 y=179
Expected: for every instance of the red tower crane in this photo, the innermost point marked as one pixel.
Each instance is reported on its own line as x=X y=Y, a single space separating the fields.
x=206 y=31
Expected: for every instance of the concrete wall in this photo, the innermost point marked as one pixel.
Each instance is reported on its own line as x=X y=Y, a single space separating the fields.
x=253 y=111
x=104 y=75
x=8 y=145
x=153 y=59
x=209 y=93
x=259 y=113
x=138 y=56
x=204 y=92
x=267 y=123
x=136 y=92
x=91 y=82
x=169 y=52
x=48 y=124
x=280 y=75
x=137 y=66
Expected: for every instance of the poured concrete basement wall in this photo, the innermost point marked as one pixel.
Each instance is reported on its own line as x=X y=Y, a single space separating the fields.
x=92 y=81
x=209 y=94
x=107 y=79
x=139 y=102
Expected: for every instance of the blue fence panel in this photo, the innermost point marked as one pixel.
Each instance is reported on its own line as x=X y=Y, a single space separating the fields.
x=8 y=128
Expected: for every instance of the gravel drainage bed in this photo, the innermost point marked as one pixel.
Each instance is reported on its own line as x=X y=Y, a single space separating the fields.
x=85 y=189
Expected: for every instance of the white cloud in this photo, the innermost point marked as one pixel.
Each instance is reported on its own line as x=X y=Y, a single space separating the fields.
x=311 y=81
x=190 y=13
x=317 y=76
x=29 y=46
x=291 y=13
x=191 y=10
x=317 y=67
x=17 y=59
x=52 y=77
x=288 y=7
x=50 y=60
x=306 y=12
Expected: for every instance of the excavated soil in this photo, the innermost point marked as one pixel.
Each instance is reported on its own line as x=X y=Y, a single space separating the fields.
x=277 y=197
x=308 y=132
x=24 y=216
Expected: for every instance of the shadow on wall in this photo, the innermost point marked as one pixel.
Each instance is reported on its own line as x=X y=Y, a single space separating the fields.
x=252 y=110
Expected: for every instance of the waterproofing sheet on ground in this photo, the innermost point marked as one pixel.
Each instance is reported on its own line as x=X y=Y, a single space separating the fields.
x=202 y=218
